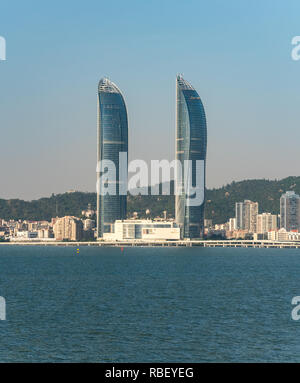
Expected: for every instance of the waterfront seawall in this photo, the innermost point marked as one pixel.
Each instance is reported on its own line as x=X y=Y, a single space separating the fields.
x=194 y=243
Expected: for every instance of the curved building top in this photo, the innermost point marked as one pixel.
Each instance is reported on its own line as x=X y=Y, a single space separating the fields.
x=184 y=85
x=107 y=86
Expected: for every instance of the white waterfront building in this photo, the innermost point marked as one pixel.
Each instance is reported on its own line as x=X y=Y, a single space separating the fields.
x=266 y=222
x=283 y=235
x=33 y=236
x=145 y=230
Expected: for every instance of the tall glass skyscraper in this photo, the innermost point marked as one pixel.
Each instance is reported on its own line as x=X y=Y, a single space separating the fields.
x=191 y=142
x=290 y=211
x=112 y=132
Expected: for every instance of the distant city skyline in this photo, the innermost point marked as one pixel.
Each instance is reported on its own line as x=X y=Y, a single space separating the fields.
x=236 y=53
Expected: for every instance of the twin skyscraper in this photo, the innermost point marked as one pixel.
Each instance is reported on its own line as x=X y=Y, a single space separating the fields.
x=191 y=143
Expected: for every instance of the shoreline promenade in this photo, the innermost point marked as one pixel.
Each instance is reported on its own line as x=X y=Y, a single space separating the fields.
x=193 y=243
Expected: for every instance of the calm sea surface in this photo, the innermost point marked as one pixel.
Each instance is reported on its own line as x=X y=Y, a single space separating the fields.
x=149 y=305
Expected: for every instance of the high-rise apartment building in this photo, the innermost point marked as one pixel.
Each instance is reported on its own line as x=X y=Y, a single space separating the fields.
x=112 y=140
x=232 y=224
x=191 y=142
x=266 y=222
x=239 y=215
x=290 y=211
x=246 y=215
x=68 y=228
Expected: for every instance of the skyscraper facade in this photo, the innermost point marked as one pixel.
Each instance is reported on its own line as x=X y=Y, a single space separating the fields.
x=266 y=222
x=239 y=212
x=290 y=211
x=191 y=143
x=246 y=215
x=112 y=139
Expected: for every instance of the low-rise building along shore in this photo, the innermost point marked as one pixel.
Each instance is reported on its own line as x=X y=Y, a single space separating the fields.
x=144 y=229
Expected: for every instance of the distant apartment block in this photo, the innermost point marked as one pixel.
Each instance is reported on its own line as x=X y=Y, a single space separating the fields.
x=266 y=222
x=68 y=228
x=232 y=224
x=88 y=224
x=246 y=215
x=290 y=211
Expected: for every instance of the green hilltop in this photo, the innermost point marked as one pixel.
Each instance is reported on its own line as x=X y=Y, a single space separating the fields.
x=220 y=202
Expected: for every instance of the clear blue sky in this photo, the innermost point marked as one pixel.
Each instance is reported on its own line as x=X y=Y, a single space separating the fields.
x=237 y=54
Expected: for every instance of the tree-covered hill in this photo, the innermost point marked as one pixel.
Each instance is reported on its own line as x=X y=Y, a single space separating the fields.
x=220 y=203
x=46 y=208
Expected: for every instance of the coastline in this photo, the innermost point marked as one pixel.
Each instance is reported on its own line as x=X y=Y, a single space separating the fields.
x=194 y=243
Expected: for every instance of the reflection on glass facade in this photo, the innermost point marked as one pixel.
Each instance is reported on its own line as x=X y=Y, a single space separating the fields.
x=191 y=142
x=112 y=139
x=290 y=211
